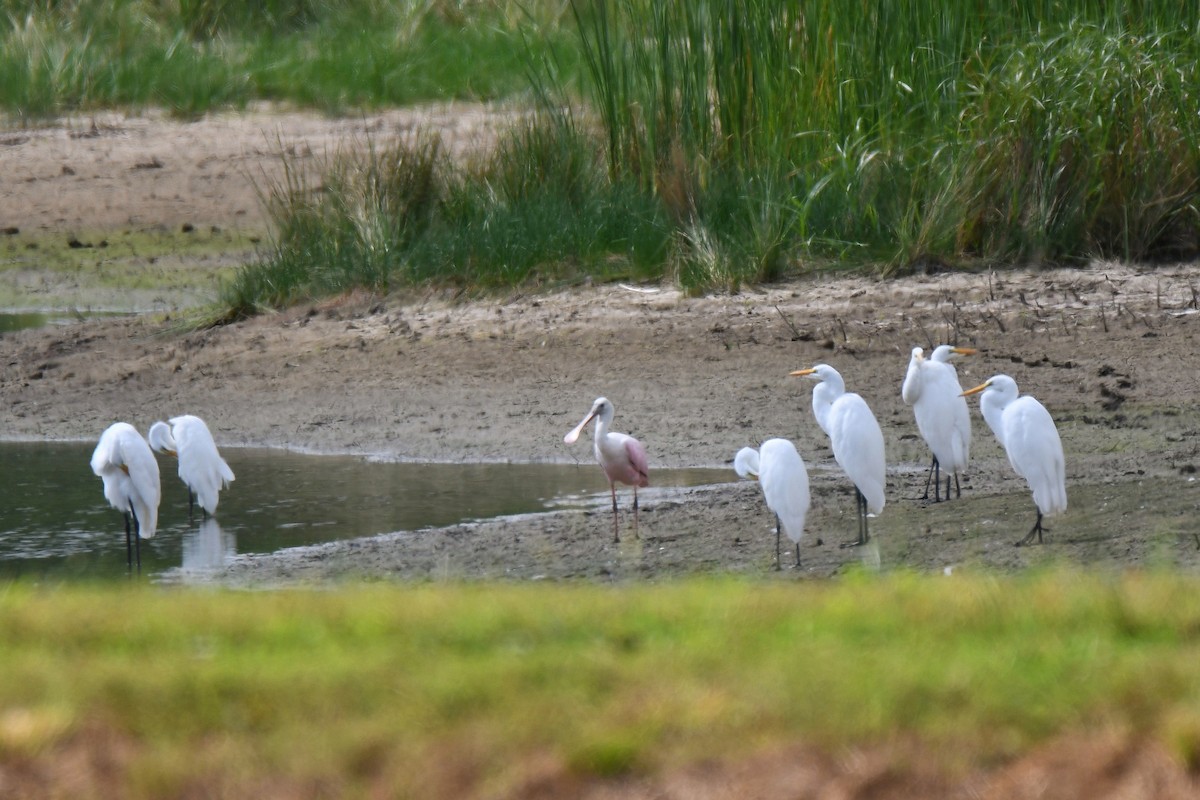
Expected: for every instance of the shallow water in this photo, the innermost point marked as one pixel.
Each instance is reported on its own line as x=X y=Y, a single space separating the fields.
x=55 y=523
x=22 y=320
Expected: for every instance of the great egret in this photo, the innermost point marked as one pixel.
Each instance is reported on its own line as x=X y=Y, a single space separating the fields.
x=784 y=480
x=125 y=463
x=931 y=387
x=621 y=456
x=856 y=438
x=1027 y=433
x=201 y=467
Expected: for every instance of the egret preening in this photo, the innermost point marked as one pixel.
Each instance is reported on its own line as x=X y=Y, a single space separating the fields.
x=784 y=480
x=621 y=456
x=1027 y=433
x=931 y=387
x=201 y=467
x=856 y=439
x=125 y=463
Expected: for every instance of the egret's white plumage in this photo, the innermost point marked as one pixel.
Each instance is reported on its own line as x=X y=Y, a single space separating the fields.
x=621 y=456
x=855 y=436
x=784 y=479
x=125 y=463
x=1028 y=435
x=931 y=387
x=201 y=467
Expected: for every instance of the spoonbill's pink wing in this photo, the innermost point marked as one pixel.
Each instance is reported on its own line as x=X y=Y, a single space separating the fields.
x=637 y=460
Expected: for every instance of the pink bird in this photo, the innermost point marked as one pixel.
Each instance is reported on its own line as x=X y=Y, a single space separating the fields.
x=621 y=456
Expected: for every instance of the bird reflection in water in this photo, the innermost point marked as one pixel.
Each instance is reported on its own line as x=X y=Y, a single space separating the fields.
x=208 y=547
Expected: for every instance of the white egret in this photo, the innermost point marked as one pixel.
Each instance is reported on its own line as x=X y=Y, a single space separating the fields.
x=125 y=463
x=201 y=467
x=621 y=456
x=856 y=439
x=784 y=480
x=1028 y=435
x=931 y=387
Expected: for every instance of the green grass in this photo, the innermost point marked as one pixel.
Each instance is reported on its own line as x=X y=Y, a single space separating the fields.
x=194 y=56
x=538 y=210
x=400 y=687
x=736 y=141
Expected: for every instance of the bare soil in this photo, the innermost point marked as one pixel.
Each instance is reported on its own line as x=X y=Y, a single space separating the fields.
x=1110 y=349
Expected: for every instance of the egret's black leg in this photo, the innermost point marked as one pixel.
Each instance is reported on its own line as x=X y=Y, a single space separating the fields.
x=866 y=531
x=929 y=478
x=860 y=507
x=957 y=488
x=137 y=540
x=777 y=525
x=948 y=486
x=1036 y=529
x=797 y=555
x=937 y=481
x=128 y=544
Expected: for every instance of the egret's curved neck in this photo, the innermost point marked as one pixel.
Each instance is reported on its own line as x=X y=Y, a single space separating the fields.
x=992 y=406
x=824 y=395
x=910 y=390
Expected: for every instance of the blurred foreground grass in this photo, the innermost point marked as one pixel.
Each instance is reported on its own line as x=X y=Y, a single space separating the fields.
x=416 y=688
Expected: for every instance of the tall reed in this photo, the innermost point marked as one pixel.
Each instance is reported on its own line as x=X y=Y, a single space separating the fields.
x=1042 y=131
x=724 y=142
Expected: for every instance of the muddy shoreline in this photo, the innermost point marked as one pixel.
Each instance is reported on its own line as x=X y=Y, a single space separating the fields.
x=1106 y=349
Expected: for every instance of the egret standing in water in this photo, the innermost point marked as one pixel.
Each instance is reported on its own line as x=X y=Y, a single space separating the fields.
x=621 y=456
x=856 y=439
x=931 y=387
x=784 y=480
x=201 y=467
x=1028 y=435
x=125 y=463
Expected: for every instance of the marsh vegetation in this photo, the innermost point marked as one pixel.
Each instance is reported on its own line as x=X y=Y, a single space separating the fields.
x=710 y=144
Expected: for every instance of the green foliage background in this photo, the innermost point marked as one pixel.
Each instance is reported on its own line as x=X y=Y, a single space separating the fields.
x=707 y=143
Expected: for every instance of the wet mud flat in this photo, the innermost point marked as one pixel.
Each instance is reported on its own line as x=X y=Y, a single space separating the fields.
x=436 y=377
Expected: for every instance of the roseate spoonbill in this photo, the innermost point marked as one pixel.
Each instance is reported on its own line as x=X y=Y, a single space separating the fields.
x=201 y=467
x=1028 y=435
x=784 y=480
x=931 y=387
x=125 y=463
x=621 y=456
x=856 y=438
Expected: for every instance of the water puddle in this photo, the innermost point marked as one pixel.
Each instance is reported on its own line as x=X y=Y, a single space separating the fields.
x=25 y=320
x=56 y=525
